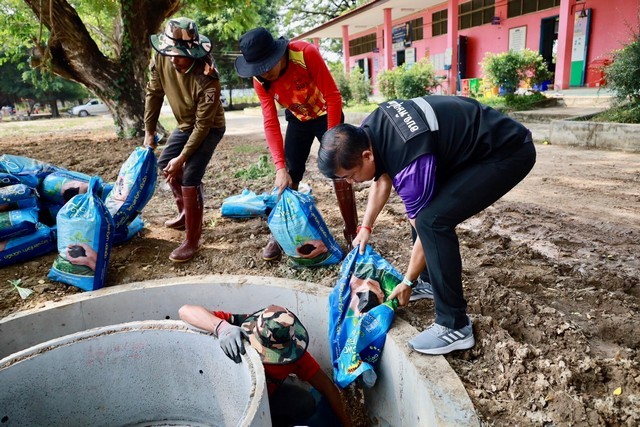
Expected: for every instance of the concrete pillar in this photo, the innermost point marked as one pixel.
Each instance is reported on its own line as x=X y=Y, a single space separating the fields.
x=452 y=44
x=388 y=48
x=345 y=48
x=565 y=44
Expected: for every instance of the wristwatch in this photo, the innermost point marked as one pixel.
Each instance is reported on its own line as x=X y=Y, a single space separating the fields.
x=409 y=283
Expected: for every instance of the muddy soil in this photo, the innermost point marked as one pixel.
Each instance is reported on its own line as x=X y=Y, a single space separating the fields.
x=551 y=271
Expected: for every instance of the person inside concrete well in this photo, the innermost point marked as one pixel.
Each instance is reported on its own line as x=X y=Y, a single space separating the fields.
x=182 y=69
x=294 y=74
x=281 y=341
x=448 y=158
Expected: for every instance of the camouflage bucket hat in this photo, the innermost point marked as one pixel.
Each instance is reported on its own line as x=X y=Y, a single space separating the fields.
x=277 y=335
x=181 y=38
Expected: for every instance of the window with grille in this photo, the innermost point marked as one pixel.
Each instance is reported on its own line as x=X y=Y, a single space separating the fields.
x=417 y=32
x=439 y=23
x=521 y=7
x=362 y=44
x=476 y=12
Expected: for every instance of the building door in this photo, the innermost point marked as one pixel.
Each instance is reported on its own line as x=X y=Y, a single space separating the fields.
x=365 y=67
x=549 y=41
x=463 y=42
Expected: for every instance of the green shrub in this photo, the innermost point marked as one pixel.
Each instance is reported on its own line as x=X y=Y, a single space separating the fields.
x=508 y=69
x=627 y=112
x=512 y=102
x=337 y=71
x=252 y=99
x=359 y=87
x=524 y=102
x=407 y=82
x=387 y=83
x=416 y=80
x=623 y=74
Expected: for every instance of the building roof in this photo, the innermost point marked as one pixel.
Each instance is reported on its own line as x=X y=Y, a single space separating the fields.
x=368 y=16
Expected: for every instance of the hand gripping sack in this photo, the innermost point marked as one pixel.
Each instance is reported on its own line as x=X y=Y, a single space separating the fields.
x=133 y=188
x=360 y=316
x=298 y=227
x=85 y=234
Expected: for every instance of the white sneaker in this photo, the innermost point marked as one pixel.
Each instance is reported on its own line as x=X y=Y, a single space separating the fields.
x=438 y=339
x=421 y=291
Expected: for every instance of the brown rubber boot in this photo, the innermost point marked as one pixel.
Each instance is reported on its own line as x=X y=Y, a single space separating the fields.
x=347 y=204
x=176 y=223
x=193 y=211
x=272 y=251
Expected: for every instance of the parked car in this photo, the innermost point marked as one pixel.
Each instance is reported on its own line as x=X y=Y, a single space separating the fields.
x=93 y=107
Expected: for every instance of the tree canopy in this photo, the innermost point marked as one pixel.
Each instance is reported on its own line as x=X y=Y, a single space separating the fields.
x=299 y=16
x=104 y=44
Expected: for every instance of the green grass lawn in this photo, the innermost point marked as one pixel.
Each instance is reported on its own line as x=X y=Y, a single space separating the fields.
x=9 y=128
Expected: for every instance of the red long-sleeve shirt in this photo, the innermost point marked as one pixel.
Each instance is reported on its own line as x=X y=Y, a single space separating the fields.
x=306 y=88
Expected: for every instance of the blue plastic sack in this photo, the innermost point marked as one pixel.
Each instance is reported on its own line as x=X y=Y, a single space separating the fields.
x=244 y=205
x=60 y=186
x=106 y=189
x=18 y=223
x=6 y=179
x=134 y=187
x=133 y=229
x=85 y=237
x=359 y=316
x=17 y=196
x=248 y=204
x=271 y=199
x=298 y=227
x=28 y=171
x=24 y=248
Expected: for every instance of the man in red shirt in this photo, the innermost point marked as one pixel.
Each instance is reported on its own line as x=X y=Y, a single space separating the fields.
x=294 y=74
x=281 y=340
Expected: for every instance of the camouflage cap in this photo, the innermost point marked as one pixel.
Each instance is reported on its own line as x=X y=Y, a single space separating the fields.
x=277 y=335
x=181 y=38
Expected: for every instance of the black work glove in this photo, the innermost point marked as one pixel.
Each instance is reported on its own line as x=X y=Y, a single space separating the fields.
x=230 y=337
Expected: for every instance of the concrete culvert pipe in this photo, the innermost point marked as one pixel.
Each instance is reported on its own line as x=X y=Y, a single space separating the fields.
x=411 y=390
x=151 y=373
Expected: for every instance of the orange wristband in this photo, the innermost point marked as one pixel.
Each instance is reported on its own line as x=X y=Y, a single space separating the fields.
x=366 y=227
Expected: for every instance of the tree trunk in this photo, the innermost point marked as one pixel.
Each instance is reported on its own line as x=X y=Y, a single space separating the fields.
x=119 y=82
x=54 y=107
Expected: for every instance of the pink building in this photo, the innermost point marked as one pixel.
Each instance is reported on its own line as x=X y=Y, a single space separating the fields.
x=574 y=36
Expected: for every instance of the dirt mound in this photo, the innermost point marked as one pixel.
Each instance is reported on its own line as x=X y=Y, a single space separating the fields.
x=551 y=271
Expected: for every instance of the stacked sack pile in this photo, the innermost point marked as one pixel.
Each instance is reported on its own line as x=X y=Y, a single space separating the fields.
x=44 y=207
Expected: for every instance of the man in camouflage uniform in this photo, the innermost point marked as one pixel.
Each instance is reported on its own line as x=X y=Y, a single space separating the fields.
x=183 y=70
x=281 y=341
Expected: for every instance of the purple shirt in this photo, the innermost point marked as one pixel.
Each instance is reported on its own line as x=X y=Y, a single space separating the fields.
x=415 y=183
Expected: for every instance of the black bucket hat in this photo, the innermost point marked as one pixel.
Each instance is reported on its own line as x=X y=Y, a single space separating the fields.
x=260 y=52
